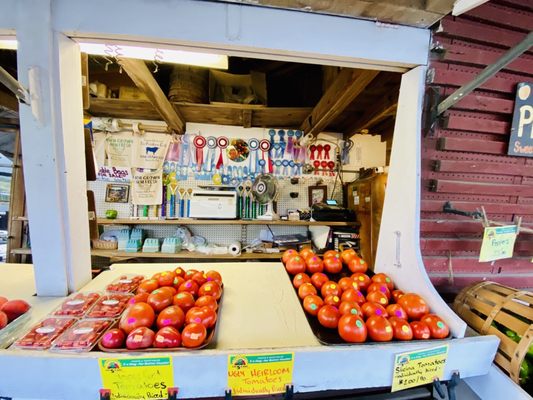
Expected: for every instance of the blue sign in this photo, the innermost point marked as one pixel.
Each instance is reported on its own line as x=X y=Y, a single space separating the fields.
x=521 y=141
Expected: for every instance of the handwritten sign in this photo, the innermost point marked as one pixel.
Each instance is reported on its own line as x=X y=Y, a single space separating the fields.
x=257 y=374
x=114 y=174
x=521 y=138
x=498 y=243
x=137 y=378
x=419 y=367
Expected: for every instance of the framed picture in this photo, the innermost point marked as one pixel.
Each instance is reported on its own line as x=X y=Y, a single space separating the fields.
x=115 y=193
x=317 y=194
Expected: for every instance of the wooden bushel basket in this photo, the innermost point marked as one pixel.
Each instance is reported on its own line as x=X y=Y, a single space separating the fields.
x=483 y=303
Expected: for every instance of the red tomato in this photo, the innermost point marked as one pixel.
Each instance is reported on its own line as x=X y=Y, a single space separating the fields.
x=167 y=337
x=437 y=327
x=305 y=290
x=312 y=304
x=178 y=280
x=420 y=330
x=383 y=278
x=328 y=316
x=295 y=265
x=214 y=276
x=193 y=335
x=200 y=278
x=414 y=305
x=147 y=286
x=396 y=294
x=362 y=280
x=306 y=252
x=210 y=317
x=180 y=272
x=139 y=314
x=288 y=254
x=139 y=298
x=2 y=301
x=201 y=315
x=333 y=265
x=166 y=278
x=210 y=289
x=352 y=329
x=350 y=307
x=189 y=273
x=354 y=296
x=300 y=278
x=189 y=286
x=314 y=264
x=330 y=287
x=318 y=279
x=168 y=290
x=171 y=316
x=332 y=300
x=113 y=339
x=140 y=338
x=369 y=309
x=346 y=283
x=379 y=329
x=185 y=300
x=347 y=255
x=396 y=310
x=377 y=297
x=401 y=329
x=207 y=301
x=357 y=264
x=3 y=320
x=160 y=300
x=380 y=287
x=331 y=253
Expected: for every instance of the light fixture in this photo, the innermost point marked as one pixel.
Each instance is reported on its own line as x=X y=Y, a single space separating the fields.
x=155 y=54
x=8 y=44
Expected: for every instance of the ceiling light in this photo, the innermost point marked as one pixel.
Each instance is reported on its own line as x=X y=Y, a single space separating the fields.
x=8 y=44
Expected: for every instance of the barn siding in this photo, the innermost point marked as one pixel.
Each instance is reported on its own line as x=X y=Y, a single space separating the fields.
x=465 y=159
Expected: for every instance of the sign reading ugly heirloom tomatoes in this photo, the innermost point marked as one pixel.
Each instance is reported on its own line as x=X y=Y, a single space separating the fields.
x=419 y=367
x=137 y=378
x=498 y=243
x=256 y=374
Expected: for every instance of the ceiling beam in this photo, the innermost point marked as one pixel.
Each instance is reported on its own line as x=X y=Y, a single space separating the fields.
x=373 y=116
x=348 y=84
x=145 y=81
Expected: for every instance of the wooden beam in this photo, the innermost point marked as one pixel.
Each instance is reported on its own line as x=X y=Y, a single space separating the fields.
x=8 y=100
x=85 y=81
x=16 y=205
x=348 y=84
x=374 y=116
x=144 y=80
x=247 y=118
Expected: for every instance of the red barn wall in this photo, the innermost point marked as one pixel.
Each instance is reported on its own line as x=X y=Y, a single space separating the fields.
x=465 y=159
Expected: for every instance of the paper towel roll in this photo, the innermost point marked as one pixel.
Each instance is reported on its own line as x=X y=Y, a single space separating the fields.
x=234 y=249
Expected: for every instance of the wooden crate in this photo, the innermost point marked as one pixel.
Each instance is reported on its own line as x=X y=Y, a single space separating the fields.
x=492 y=309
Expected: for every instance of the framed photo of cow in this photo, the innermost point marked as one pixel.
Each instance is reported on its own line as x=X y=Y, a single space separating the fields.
x=117 y=193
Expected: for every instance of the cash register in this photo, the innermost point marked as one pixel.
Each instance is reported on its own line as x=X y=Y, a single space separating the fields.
x=331 y=211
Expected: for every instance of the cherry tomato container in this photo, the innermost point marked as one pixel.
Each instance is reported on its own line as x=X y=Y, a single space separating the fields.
x=41 y=336
x=109 y=305
x=125 y=283
x=77 y=304
x=82 y=336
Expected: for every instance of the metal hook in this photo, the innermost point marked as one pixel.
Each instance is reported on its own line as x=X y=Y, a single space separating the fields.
x=108 y=54
x=158 y=58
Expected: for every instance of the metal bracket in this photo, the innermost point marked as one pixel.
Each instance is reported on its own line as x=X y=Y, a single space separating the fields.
x=447 y=208
x=105 y=394
x=227 y=395
x=431 y=117
x=172 y=393
x=289 y=392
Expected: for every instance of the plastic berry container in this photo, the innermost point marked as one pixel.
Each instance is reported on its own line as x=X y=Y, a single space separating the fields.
x=77 y=304
x=125 y=283
x=41 y=336
x=109 y=305
x=82 y=336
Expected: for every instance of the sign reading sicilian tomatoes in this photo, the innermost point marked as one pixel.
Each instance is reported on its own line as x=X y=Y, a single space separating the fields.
x=257 y=374
x=417 y=368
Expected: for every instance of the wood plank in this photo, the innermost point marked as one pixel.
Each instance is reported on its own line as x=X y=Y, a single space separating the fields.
x=455 y=227
x=131 y=221
x=491 y=208
x=17 y=204
x=145 y=81
x=8 y=100
x=472 y=145
x=23 y=251
x=480 y=102
x=455 y=76
x=374 y=116
x=460 y=121
x=85 y=81
x=467 y=245
x=447 y=186
x=348 y=84
x=464 y=263
x=483 y=167
x=184 y=254
x=247 y=118
x=504 y=16
x=518 y=281
x=440 y=6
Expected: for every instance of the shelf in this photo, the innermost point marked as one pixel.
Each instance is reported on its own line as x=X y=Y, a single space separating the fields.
x=185 y=254
x=129 y=221
x=221 y=114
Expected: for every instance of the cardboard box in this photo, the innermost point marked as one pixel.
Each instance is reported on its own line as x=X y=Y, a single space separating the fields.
x=240 y=89
x=131 y=93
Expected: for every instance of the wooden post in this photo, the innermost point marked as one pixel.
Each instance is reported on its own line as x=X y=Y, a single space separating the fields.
x=16 y=205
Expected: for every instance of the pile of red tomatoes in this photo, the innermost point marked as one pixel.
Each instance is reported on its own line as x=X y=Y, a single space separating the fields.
x=359 y=306
x=171 y=309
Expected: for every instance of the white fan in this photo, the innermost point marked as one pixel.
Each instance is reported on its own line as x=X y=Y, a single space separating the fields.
x=265 y=190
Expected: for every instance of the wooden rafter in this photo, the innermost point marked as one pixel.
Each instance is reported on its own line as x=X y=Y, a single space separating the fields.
x=374 y=116
x=144 y=80
x=9 y=101
x=348 y=84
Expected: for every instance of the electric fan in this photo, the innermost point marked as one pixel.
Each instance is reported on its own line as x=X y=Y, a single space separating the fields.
x=265 y=191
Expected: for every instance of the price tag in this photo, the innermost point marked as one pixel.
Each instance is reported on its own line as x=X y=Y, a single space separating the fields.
x=258 y=374
x=417 y=368
x=498 y=243
x=137 y=378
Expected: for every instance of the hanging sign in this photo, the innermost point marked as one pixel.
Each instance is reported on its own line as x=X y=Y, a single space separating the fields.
x=521 y=141
x=146 y=187
x=99 y=144
x=150 y=150
x=417 y=368
x=498 y=243
x=114 y=174
x=137 y=378
x=259 y=374
x=118 y=147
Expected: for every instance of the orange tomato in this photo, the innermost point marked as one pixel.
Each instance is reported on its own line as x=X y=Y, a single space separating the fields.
x=377 y=297
x=300 y=279
x=347 y=255
x=357 y=264
x=362 y=280
x=312 y=304
x=383 y=278
x=305 y=290
x=414 y=305
x=287 y=254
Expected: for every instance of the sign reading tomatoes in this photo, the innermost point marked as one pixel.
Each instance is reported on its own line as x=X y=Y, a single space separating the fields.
x=521 y=141
x=258 y=374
